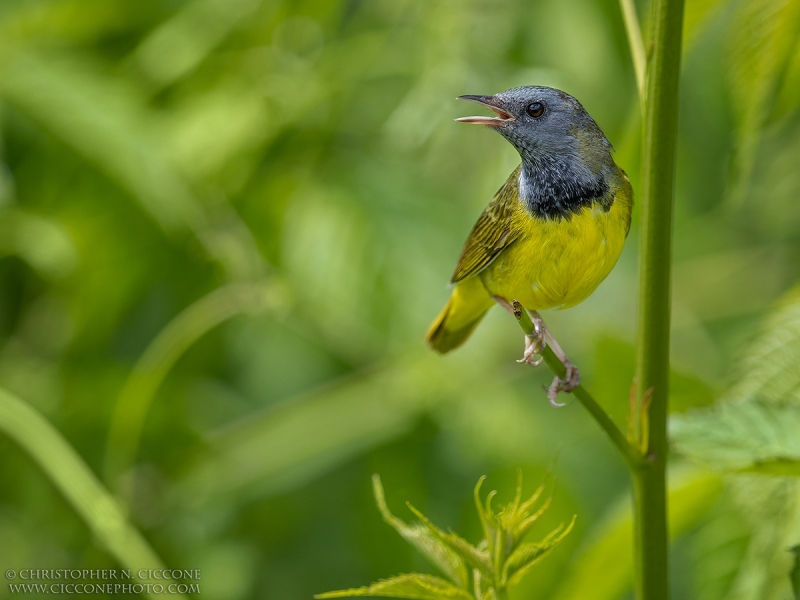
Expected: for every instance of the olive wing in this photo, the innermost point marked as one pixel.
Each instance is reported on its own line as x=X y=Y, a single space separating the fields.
x=493 y=232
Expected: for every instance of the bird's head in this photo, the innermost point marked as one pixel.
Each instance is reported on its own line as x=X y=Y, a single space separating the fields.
x=542 y=122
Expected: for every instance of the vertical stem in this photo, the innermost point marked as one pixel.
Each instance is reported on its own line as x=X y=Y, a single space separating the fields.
x=660 y=134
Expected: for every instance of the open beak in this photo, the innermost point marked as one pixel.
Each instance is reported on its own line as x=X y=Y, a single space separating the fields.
x=501 y=120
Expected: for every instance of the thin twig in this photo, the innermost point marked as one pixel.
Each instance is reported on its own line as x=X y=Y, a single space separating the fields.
x=628 y=451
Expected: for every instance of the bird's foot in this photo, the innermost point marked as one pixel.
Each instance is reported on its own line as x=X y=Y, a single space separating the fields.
x=571 y=380
x=535 y=343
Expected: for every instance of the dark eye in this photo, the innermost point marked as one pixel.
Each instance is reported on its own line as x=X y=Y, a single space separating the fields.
x=536 y=109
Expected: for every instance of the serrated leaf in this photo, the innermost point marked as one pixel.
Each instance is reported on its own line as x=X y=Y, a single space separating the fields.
x=515 y=519
x=512 y=507
x=516 y=512
x=769 y=369
x=487 y=523
x=471 y=555
x=771 y=507
x=717 y=548
x=419 y=536
x=414 y=586
x=741 y=436
x=477 y=584
x=756 y=429
x=523 y=527
x=527 y=555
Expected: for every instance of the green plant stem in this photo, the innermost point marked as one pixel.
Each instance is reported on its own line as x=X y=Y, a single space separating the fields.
x=636 y=44
x=70 y=474
x=660 y=138
x=629 y=452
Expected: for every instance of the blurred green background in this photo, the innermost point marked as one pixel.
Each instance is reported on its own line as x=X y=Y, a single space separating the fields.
x=226 y=224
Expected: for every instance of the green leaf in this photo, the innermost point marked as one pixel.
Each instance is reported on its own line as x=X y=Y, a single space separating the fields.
x=741 y=436
x=75 y=480
x=471 y=555
x=515 y=517
x=414 y=586
x=522 y=527
x=477 y=585
x=794 y=576
x=718 y=547
x=769 y=369
x=763 y=35
x=771 y=507
x=527 y=555
x=777 y=466
x=486 y=519
x=756 y=429
x=419 y=536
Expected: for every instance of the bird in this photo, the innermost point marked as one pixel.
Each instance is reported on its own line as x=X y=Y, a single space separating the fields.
x=553 y=231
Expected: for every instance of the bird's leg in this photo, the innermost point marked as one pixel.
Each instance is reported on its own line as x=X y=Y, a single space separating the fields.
x=535 y=342
x=504 y=303
x=572 y=378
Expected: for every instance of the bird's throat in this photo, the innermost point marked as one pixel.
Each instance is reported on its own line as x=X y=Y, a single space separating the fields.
x=558 y=187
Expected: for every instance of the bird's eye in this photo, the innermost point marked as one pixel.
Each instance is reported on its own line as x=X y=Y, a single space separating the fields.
x=536 y=109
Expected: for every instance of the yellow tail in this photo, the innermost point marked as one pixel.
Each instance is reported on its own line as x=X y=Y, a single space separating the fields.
x=465 y=309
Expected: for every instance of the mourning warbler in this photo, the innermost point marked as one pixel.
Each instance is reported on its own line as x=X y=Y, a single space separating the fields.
x=555 y=228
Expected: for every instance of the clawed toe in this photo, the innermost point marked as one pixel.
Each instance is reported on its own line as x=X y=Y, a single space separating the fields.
x=535 y=343
x=571 y=380
x=534 y=346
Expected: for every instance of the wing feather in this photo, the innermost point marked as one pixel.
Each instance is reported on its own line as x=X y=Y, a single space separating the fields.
x=493 y=232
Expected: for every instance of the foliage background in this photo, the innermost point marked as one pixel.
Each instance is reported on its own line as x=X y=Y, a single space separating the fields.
x=241 y=215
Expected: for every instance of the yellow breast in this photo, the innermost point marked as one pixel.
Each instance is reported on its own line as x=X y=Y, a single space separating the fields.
x=560 y=262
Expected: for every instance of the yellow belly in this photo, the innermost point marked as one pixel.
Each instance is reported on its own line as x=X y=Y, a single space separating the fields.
x=560 y=262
